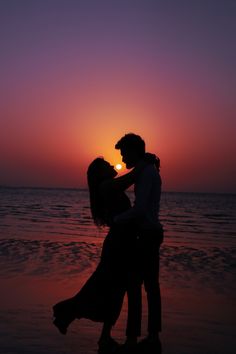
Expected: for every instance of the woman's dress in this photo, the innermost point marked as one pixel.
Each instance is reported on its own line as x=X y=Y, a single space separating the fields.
x=101 y=297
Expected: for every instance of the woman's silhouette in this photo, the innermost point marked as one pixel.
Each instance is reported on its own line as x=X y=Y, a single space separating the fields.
x=101 y=297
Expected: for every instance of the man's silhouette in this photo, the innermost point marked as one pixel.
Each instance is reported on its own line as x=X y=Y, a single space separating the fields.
x=145 y=215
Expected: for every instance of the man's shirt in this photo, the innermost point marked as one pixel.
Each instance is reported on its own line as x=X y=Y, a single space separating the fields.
x=147 y=190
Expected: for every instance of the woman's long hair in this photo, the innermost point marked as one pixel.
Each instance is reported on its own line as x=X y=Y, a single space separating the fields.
x=94 y=180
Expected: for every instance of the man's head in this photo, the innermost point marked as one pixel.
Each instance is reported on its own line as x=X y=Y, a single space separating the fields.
x=132 y=149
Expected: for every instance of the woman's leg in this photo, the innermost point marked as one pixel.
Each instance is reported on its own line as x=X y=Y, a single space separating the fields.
x=134 y=294
x=106 y=331
x=63 y=313
x=106 y=343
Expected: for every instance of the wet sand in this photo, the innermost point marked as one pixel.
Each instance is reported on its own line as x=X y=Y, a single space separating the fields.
x=198 y=313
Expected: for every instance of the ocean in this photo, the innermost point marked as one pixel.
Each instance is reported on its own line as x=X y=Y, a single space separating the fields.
x=49 y=246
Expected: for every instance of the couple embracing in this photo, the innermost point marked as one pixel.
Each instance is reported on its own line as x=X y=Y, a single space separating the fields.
x=130 y=252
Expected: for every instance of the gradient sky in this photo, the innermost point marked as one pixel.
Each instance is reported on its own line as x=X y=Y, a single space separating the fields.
x=75 y=75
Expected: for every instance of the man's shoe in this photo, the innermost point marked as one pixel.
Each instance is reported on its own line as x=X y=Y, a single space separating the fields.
x=149 y=346
x=127 y=348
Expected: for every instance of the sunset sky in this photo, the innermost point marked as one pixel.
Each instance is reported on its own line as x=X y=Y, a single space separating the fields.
x=76 y=75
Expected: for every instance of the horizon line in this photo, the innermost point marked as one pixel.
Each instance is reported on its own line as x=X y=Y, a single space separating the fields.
x=86 y=189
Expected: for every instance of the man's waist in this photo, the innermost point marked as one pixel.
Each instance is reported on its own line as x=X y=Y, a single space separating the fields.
x=155 y=234
x=149 y=223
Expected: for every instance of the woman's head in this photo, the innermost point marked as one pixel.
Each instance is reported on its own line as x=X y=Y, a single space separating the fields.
x=98 y=171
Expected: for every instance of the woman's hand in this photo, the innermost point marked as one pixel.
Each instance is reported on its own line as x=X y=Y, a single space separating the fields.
x=147 y=160
x=152 y=158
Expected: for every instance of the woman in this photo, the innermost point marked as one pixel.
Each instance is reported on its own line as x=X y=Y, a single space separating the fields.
x=101 y=298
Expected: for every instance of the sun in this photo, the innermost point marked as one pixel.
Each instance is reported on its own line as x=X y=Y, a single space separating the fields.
x=118 y=166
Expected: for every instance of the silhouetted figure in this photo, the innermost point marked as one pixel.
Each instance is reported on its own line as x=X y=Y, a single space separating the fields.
x=101 y=298
x=145 y=215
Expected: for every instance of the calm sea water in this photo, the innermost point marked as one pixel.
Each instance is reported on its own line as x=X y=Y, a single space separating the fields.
x=49 y=246
x=54 y=226
x=187 y=217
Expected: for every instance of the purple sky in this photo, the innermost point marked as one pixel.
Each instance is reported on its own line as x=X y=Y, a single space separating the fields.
x=76 y=75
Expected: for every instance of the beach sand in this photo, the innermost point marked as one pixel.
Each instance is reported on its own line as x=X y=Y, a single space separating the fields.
x=198 y=312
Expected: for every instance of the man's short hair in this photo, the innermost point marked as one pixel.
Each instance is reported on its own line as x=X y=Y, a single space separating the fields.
x=133 y=142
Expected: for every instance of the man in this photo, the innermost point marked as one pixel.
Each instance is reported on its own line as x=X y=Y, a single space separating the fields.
x=144 y=214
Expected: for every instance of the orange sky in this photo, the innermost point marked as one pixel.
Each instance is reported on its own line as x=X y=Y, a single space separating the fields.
x=71 y=89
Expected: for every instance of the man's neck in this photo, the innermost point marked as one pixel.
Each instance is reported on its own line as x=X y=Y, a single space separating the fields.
x=138 y=161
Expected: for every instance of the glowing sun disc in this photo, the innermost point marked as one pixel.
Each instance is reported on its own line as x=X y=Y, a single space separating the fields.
x=118 y=166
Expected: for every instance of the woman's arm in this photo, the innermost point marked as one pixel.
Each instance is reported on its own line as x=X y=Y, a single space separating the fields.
x=119 y=183
x=123 y=182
